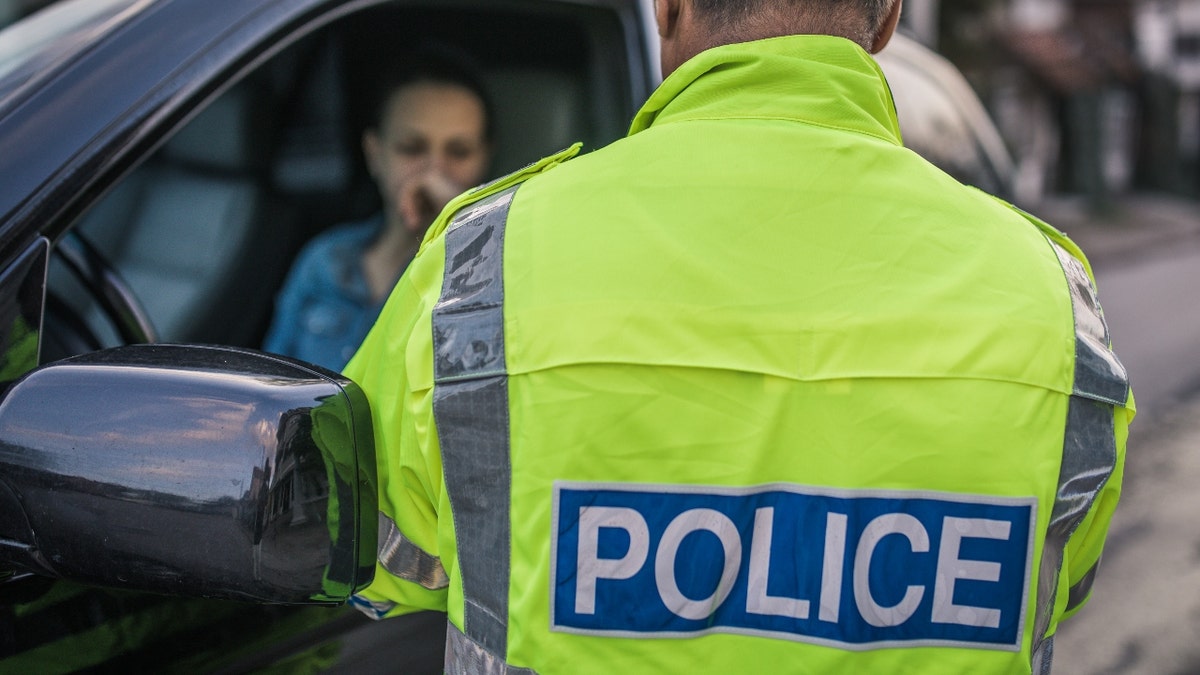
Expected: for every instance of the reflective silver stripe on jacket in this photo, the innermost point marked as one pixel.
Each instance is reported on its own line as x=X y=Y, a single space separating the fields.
x=1098 y=374
x=470 y=408
x=406 y=560
x=464 y=656
x=1089 y=446
x=1043 y=657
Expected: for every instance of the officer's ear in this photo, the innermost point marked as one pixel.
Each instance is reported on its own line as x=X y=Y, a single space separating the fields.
x=678 y=34
x=666 y=15
x=888 y=29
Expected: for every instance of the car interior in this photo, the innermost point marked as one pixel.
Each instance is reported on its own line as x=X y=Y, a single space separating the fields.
x=204 y=230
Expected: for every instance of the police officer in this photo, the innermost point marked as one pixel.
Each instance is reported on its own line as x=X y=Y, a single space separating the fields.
x=755 y=389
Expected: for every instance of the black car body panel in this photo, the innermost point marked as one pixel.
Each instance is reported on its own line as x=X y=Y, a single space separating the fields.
x=245 y=463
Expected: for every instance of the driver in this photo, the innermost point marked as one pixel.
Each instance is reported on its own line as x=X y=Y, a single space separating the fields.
x=430 y=140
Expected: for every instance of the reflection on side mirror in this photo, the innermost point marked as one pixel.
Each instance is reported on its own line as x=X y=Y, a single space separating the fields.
x=202 y=471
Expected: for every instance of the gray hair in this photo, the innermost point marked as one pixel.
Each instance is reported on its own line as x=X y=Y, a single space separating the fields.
x=858 y=20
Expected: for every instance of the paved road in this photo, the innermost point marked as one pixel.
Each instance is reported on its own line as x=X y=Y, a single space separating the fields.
x=1153 y=311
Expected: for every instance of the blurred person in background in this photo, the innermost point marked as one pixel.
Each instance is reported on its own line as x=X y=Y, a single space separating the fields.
x=429 y=141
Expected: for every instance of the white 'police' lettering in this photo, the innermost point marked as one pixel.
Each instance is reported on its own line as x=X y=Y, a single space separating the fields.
x=591 y=567
x=951 y=568
x=873 y=612
x=883 y=568
x=758 y=601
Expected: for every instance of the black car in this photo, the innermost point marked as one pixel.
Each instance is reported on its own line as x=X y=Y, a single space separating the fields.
x=209 y=508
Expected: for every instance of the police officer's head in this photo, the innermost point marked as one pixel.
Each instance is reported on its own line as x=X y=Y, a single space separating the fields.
x=688 y=27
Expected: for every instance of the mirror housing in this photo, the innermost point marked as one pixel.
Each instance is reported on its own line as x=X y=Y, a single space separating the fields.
x=199 y=471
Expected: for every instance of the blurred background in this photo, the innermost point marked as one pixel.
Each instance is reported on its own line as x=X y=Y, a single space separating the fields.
x=1095 y=98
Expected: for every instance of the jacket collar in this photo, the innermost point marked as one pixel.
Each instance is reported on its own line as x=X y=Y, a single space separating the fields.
x=816 y=79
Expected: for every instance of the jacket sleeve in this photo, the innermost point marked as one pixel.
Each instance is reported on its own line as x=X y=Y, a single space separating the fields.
x=1086 y=544
x=394 y=367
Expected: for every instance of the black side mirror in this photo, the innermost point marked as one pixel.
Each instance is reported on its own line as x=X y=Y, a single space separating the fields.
x=200 y=471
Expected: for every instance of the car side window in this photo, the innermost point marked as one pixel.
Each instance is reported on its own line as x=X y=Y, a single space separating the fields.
x=205 y=228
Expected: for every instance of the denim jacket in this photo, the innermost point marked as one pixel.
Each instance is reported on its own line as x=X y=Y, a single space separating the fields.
x=324 y=309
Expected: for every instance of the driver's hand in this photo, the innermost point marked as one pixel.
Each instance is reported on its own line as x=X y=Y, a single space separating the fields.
x=424 y=196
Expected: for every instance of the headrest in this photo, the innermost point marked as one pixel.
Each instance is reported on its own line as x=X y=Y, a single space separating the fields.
x=314 y=152
x=538 y=111
x=231 y=134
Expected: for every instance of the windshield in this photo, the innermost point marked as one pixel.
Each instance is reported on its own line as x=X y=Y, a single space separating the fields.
x=49 y=37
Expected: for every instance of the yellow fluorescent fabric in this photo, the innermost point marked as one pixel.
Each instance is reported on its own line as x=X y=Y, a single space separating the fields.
x=759 y=286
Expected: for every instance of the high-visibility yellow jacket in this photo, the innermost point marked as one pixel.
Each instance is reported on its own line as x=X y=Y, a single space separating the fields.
x=755 y=389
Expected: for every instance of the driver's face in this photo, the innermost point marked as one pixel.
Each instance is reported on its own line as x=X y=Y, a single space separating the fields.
x=431 y=132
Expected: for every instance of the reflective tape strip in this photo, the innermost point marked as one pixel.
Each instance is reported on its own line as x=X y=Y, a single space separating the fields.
x=470 y=408
x=464 y=656
x=468 y=328
x=1099 y=375
x=1089 y=442
x=408 y=561
x=1080 y=590
x=1043 y=659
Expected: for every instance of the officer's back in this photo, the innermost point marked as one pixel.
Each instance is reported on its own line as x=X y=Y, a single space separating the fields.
x=753 y=390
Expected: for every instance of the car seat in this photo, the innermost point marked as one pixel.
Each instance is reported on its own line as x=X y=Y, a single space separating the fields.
x=191 y=230
x=539 y=111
